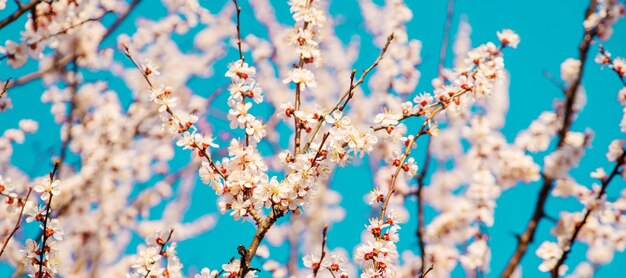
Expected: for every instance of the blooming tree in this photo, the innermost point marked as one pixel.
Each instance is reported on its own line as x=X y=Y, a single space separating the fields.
x=268 y=142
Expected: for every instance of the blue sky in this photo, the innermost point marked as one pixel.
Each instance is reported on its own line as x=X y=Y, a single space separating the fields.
x=550 y=32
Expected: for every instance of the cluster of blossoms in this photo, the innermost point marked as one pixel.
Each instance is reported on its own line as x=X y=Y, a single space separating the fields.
x=379 y=255
x=157 y=258
x=333 y=264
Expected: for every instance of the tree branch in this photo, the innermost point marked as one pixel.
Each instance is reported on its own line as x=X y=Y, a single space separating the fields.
x=19 y=12
x=539 y=212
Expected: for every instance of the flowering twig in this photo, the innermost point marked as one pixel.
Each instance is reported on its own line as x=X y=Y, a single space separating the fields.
x=405 y=155
x=316 y=267
x=45 y=235
x=609 y=60
x=296 y=119
x=241 y=58
x=17 y=224
x=200 y=149
x=569 y=243
x=350 y=92
x=528 y=236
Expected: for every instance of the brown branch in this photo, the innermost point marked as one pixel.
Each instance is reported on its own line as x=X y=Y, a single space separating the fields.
x=19 y=12
x=579 y=226
x=5 y=87
x=238 y=9
x=528 y=236
x=422 y=275
x=17 y=224
x=248 y=254
x=572 y=90
x=316 y=268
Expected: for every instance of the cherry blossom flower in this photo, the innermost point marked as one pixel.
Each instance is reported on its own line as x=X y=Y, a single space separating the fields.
x=508 y=38
x=48 y=188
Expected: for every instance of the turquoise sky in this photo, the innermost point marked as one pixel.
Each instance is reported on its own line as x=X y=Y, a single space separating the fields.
x=550 y=32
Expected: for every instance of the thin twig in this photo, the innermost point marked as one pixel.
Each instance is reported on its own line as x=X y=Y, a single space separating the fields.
x=17 y=224
x=238 y=9
x=5 y=87
x=405 y=155
x=241 y=58
x=316 y=268
x=420 y=205
x=422 y=275
x=201 y=150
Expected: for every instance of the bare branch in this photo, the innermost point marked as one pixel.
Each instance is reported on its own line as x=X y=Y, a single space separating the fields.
x=316 y=268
